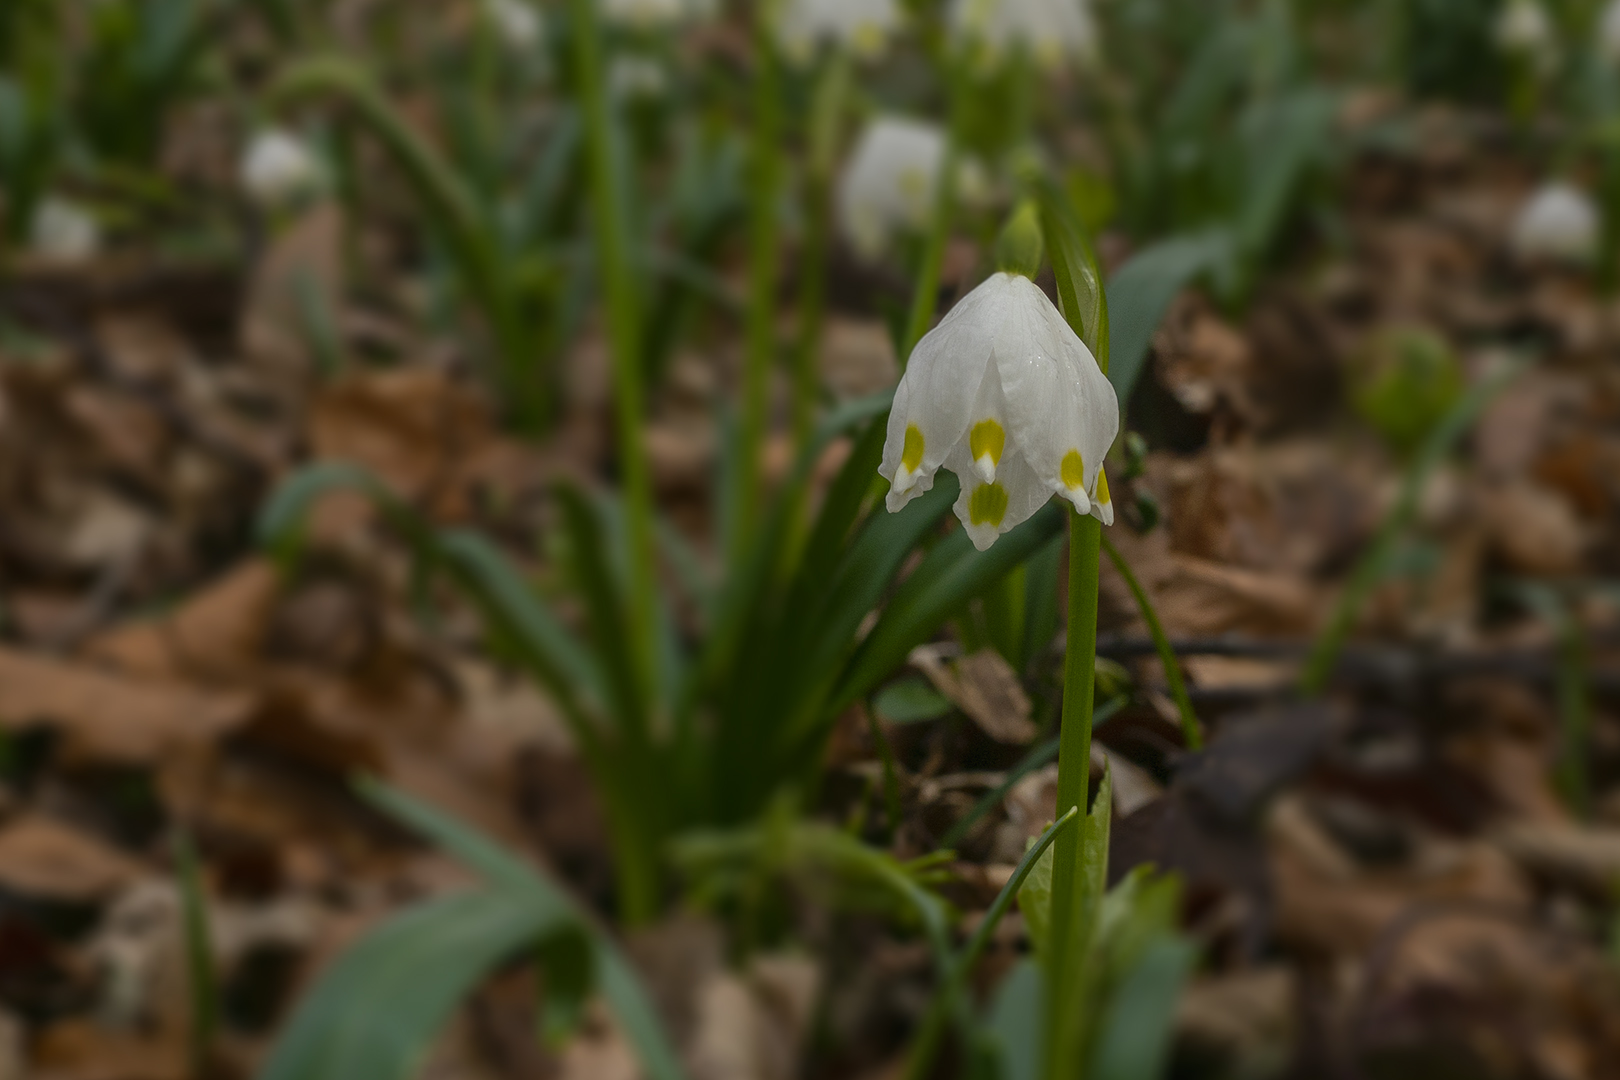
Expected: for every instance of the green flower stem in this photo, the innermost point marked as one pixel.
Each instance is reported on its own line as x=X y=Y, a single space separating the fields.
x=1190 y=730
x=826 y=114
x=947 y=997
x=1064 y=972
x=1369 y=571
x=202 y=984
x=639 y=897
x=453 y=210
x=765 y=170
x=925 y=299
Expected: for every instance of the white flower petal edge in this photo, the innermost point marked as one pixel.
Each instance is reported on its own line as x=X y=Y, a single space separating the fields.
x=861 y=26
x=1006 y=396
x=888 y=185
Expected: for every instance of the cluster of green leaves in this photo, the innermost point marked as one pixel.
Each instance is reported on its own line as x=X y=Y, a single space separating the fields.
x=501 y=201
x=87 y=91
x=1219 y=139
x=1131 y=961
x=739 y=706
x=1216 y=139
x=377 y=1009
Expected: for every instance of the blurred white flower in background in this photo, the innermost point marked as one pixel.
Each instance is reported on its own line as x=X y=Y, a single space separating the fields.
x=889 y=182
x=632 y=77
x=517 y=22
x=1052 y=30
x=1609 y=31
x=63 y=231
x=1004 y=394
x=278 y=167
x=1524 y=29
x=861 y=26
x=1559 y=221
x=654 y=14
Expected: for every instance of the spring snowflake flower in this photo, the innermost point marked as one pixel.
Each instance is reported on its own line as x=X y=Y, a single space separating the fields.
x=1006 y=396
x=278 y=167
x=637 y=78
x=1609 y=31
x=63 y=231
x=516 y=22
x=1052 y=30
x=654 y=14
x=1559 y=221
x=889 y=182
x=1524 y=29
x=861 y=26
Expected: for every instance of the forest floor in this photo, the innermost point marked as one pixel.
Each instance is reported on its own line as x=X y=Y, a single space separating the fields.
x=1414 y=874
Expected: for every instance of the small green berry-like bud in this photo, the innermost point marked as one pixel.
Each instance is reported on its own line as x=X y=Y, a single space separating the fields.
x=1019 y=249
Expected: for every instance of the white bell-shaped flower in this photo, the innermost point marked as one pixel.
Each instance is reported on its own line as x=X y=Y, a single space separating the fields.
x=862 y=27
x=1609 y=31
x=889 y=183
x=1558 y=222
x=1524 y=29
x=1051 y=30
x=637 y=78
x=63 y=231
x=516 y=22
x=1004 y=394
x=654 y=14
x=278 y=167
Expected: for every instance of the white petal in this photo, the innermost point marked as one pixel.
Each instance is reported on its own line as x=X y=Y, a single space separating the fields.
x=988 y=510
x=937 y=393
x=1058 y=400
x=888 y=184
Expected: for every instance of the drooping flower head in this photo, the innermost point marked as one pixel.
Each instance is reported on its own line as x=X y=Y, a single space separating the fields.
x=654 y=14
x=863 y=27
x=63 y=231
x=1560 y=222
x=278 y=167
x=1051 y=30
x=1609 y=31
x=516 y=22
x=1004 y=394
x=889 y=183
x=637 y=78
x=1524 y=29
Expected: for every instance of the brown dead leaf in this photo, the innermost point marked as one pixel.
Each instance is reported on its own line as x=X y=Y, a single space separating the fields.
x=1587 y=858
x=1328 y=904
x=857 y=357
x=44 y=858
x=215 y=636
x=1246 y=1019
x=984 y=686
x=109 y=717
x=1534 y=529
x=303 y=267
x=409 y=426
x=1205 y=598
x=79 y=1050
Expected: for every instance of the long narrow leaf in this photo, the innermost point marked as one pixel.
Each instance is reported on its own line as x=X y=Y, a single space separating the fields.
x=613 y=974
x=920 y=607
x=1134 y=1035
x=605 y=606
x=944 y=1003
x=1190 y=730
x=1369 y=571
x=1140 y=293
x=572 y=675
x=1074 y=266
x=376 y=1010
